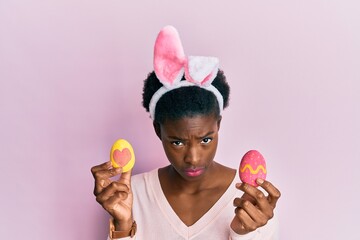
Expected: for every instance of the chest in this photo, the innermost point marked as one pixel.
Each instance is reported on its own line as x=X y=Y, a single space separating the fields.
x=191 y=207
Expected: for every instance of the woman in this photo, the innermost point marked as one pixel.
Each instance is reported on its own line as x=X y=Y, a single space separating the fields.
x=194 y=197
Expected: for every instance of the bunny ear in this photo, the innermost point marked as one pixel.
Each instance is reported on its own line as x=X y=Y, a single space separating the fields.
x=169 y=57
x=201 y=70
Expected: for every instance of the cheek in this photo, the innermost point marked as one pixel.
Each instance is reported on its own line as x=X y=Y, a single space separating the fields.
x=213 y=152
x=214 y=146
x=210 y=151
x=170 y=153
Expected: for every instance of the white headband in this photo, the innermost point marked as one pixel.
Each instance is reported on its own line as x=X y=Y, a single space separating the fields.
x=170 y=64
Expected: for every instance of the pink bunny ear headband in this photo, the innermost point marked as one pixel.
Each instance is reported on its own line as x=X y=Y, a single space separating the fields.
x=170 y=64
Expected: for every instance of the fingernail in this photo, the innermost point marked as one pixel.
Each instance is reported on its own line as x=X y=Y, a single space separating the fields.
x=238 y=185
x=259 y=181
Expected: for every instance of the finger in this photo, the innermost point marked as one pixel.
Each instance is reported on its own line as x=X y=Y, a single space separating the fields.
x=107 y=173
x=126 y=177
x=274 y=193
x=239 y=201
x=113 y=201
x=259 y=196
x=115 y=188
x=246 y=221
x=102 y=178
x=103 y=166
x=247 y=197
x=118 y=208
x=256 y=215
x=100 y=185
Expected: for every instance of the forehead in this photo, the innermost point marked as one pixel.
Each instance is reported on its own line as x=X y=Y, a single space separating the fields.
x=197 y=125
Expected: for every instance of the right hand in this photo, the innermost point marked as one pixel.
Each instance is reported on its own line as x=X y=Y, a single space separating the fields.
x=254 y=209
x=114 y=196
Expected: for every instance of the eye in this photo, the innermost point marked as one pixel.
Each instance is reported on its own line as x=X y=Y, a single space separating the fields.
x=206 y=140
x=177 y=143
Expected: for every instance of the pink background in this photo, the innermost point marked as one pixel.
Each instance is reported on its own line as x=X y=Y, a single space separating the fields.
x=71 y=76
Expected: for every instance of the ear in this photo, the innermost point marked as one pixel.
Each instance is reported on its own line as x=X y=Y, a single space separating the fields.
x=157 y=129
x=219 y=122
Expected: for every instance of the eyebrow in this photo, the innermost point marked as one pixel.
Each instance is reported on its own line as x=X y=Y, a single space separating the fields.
x=206 y=135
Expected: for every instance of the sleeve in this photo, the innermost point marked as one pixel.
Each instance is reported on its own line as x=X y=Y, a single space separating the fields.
x=268 y=232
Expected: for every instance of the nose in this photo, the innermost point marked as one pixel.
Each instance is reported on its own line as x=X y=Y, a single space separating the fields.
x=193 y=155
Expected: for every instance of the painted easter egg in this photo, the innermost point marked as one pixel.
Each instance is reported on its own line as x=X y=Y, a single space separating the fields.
x=252 y=166
x=122 y=155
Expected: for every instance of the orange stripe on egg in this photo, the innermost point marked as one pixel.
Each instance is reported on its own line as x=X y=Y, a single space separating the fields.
x=248 y=166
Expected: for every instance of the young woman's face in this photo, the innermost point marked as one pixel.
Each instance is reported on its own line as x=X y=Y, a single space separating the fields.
x=190 y=144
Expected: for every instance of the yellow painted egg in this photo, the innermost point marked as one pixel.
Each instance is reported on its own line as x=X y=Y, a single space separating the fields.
x=122 y=155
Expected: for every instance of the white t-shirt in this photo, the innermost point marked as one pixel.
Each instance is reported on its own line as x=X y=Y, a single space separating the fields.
x=156 y=220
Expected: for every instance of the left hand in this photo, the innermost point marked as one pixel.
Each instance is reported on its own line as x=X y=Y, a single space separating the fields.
x=254 y=209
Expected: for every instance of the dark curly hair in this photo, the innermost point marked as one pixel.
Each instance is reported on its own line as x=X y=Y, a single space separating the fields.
x=185 y=101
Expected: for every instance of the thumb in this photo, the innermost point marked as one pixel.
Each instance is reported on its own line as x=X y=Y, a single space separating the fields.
x=125 y=177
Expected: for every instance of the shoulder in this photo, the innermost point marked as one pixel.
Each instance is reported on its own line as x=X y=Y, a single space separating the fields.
x=225 y=172
x=221 y=178
x=224 y=168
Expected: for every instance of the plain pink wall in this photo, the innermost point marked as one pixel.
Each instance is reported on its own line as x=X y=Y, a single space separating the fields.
x=71 y=76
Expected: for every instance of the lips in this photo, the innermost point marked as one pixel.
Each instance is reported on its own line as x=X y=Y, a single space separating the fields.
x=194 y=172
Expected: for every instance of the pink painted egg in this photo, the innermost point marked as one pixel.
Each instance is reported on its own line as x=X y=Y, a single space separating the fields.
x=252 y=166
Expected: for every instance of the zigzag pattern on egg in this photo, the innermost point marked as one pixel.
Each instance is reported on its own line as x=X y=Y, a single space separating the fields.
x=248 y=166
